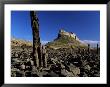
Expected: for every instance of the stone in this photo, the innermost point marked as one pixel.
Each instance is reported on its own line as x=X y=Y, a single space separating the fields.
x=87 y=67
x=66 y=73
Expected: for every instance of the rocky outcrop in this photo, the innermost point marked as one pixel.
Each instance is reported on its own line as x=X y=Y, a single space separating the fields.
x=66 y=40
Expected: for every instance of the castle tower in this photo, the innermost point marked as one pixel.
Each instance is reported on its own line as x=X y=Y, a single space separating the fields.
x=36 y=39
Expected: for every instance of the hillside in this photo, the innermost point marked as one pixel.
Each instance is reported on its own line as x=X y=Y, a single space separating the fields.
x=20 y=42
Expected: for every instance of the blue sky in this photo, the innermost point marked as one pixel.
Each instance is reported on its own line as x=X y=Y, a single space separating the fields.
x=85 y=24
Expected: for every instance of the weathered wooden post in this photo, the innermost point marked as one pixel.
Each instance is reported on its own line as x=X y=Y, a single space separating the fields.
x=97 y=48
x=36 y=38
x=44 y=57
x=83 y=51
x=79 y=50
x=75 y=37
x=88 y=48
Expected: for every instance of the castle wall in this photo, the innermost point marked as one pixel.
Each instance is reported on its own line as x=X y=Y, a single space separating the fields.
x=69 y=34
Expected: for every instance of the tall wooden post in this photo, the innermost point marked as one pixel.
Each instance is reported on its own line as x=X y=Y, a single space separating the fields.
x=44 y=57
x=97 y=48
x=88 y=48
x=75 y=37
x=36 y=38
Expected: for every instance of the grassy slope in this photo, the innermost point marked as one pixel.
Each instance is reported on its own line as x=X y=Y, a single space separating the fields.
x=65 y=42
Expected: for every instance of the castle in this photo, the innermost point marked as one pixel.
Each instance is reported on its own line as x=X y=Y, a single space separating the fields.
x=70 y=34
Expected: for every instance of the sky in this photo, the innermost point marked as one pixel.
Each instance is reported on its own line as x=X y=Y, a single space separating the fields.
x=85 y=24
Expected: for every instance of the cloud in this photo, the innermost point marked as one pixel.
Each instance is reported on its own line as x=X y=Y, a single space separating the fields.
x=92 y=43
x=44 y=42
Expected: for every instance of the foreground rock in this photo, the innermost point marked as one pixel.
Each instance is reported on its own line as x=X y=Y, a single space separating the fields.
x=62 y=62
